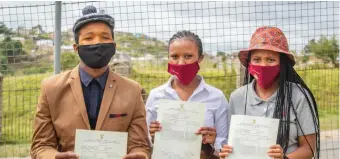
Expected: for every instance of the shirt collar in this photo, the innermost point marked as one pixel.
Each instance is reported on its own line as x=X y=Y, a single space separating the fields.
x=256 y=100
x=200 y=87
x=87 y=78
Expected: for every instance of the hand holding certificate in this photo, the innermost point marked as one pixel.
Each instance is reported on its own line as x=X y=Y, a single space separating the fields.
x=177 y=139
x=252 y=136
x=92 y=144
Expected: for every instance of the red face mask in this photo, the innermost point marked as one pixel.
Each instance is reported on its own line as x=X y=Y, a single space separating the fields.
x=265 y=75
x=184 y=73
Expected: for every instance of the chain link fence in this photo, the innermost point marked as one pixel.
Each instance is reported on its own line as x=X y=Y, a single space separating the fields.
x=142 y=32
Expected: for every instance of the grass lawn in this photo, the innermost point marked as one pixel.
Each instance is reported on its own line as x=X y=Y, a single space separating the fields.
x=20 y=96
x=15 y=150
x=330 y=122
x=324 y=83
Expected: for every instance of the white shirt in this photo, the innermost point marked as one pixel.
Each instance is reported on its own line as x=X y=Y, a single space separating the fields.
x=216 y=106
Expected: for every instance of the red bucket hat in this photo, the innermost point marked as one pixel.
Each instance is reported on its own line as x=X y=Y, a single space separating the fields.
x=267 y=38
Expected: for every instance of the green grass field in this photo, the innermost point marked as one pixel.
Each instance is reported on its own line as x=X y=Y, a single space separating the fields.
x=20 y=96
x=14 y=150
x=324 y=83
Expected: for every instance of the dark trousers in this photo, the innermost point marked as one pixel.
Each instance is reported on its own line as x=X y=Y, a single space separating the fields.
x=207 y=152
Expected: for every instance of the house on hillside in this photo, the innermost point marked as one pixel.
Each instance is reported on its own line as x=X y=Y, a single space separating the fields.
x=21 y=39
x=51 y=35
x=312 y=60
x=123 y=34
x=121 y=59
x=137 y=35
x=45 y=46
x=145 y=58
x=44 y=42
x=143 y=36
x=124 y=44
x=23 y=31
x=149 y=42
x=121 y=64
x=66 y=48
x=36 y=30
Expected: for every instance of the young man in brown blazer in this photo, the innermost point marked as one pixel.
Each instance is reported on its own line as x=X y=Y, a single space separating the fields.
x=89 y=97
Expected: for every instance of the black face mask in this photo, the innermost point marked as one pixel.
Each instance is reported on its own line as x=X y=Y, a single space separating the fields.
x=97 y=55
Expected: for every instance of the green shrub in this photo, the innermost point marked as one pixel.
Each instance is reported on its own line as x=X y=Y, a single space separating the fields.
x=38 y=69
x=69 y=60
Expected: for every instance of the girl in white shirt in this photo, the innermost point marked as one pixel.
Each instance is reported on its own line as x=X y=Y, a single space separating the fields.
x=185 y=55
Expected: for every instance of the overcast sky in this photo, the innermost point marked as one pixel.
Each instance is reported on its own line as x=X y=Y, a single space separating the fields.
x=223 y=26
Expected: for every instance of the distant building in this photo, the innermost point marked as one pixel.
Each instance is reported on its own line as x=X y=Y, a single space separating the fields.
x=121 y=64
x=45 y=46
x=33 y=31
x=312 y=60
x=137 y=35
x=148 y=42
x=121 y=59
x=37 y=30
x=21 y=39
x=23 y=31
x=66 y=48
x=145 y=58
x=124 y=44
x=51 y=35
x=44 y=42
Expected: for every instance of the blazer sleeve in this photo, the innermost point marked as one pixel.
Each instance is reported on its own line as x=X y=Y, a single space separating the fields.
x=44 y=140
x=138 y=141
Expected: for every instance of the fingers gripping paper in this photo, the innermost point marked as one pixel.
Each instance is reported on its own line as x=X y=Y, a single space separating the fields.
x=92 y=144
x=251 y=136
x=177 y=139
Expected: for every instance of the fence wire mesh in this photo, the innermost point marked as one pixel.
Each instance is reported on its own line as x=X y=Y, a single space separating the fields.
x=142 y=32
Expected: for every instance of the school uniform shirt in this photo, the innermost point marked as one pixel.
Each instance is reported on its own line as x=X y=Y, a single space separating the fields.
x=259 y=107
x=216 y=107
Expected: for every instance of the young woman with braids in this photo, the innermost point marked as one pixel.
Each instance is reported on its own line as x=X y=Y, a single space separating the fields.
x=274 y=89
x=185 y=55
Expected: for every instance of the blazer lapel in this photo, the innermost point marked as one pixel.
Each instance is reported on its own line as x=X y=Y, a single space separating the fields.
x=78 y=94
x=110 y=89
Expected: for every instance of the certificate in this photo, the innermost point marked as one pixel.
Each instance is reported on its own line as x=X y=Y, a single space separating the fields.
x=177 y=139
x=251 y=136
x=92 y=144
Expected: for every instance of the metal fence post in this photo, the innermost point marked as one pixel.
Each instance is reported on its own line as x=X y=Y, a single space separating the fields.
x=239 y=68
x=57 y=37
x=1 y=109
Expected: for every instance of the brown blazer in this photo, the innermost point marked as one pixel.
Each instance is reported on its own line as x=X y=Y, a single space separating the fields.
x=61 y=110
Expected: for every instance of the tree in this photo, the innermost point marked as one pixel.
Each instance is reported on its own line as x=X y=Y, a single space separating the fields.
x=3 y=48
x=9 y=49
x=4 y=30
x=325 y=49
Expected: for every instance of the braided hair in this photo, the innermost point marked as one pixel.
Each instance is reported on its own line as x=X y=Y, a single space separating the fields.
x=187 y=35
x=288 y=77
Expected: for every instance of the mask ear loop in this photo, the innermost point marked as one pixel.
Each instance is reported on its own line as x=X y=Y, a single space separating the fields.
x=245 y=103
